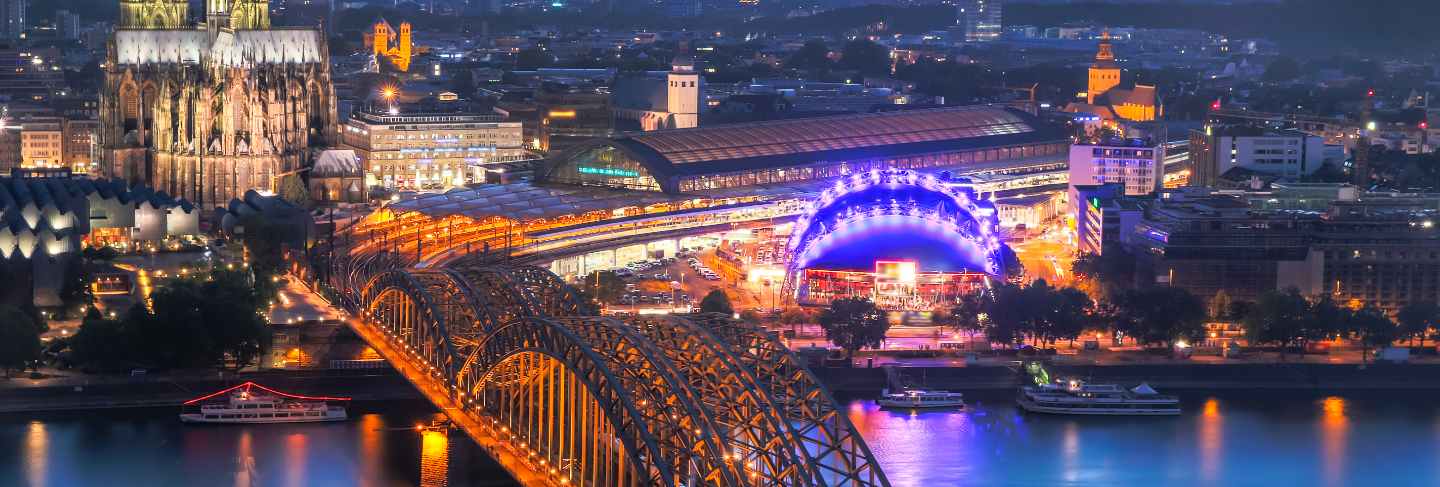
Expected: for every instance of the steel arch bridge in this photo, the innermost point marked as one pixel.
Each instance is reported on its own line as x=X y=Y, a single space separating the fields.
x=562 y=397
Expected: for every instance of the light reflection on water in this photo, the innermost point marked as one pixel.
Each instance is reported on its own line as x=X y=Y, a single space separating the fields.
x=1239 y=439
x=152 y=448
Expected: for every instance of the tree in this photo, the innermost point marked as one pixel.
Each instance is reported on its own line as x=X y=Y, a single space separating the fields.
x=604 y=285
x=75 y=289
x=969 y=315
x=292 y=189
x=1372 y=329
x=19 y=339
x=1161 y=314
x=1417 y=319
x=716 y=302
x=813 y=56
x=1071 y=312
x=1283 y=68
x=1277 y=317
x=853 y=324
x=1219 y=308
x=868 y=58
x=102 y=344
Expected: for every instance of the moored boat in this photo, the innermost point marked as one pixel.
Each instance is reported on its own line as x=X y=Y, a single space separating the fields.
x=920 y=398
x=254 y=403
x=1077 y=397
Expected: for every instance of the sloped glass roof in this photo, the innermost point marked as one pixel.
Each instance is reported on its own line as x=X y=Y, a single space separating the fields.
x=787 y=137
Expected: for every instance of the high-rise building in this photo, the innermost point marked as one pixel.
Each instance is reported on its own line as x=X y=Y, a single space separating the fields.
x=13 y=18
x=981 y=19
x=68 y=24
x=209 y=112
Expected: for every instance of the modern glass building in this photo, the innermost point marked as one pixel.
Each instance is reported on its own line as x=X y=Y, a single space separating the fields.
x=963 y=139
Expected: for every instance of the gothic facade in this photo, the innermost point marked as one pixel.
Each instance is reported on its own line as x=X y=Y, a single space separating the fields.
x=208 y=112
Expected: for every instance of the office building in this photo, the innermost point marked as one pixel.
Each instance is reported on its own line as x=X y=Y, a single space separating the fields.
x=30 y=74
x=1135 y=163
x=980 y=19
x=1218 y=149
x=42 y=142
x=415 y=148
x=1362 y=249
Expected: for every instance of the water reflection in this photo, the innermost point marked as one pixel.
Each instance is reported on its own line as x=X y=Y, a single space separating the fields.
x=1211 y=436
x=372 y=448
x=1334 y=429
x=1252 y=438
x=245 y=474
x=434 y=459
x=296 y=453
x=1070 y=452
x=37 y=454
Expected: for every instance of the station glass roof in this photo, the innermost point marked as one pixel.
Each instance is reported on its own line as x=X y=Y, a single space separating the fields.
x=787 y=137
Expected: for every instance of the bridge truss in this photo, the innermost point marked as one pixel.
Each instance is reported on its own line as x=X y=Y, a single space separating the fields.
x=587 y=400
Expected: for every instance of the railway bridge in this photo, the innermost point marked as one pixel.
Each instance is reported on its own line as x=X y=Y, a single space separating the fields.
x=561 y=396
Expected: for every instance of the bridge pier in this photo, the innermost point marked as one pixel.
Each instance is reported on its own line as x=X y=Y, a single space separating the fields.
x=474 y=425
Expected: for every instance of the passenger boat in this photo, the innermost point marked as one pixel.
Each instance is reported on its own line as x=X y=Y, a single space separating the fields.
x=920 y=398
x=254 y=403
x=1077 y=397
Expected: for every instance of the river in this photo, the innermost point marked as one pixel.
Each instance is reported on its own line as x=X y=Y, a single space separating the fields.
x=1235 y=439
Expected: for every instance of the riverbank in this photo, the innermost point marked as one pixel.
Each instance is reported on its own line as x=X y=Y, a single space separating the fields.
x=1294 y=376
x=111 y=392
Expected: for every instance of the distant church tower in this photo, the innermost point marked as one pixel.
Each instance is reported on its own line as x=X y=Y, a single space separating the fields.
x=684 y=93
x=1104 y=73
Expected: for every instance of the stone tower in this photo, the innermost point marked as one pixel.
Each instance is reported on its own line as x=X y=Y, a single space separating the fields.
x=1104 y=73
x=683 y=101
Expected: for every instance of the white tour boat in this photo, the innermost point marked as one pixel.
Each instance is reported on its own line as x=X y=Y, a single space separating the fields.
x=920 y=398
x=254 y=403
x=1077 y=397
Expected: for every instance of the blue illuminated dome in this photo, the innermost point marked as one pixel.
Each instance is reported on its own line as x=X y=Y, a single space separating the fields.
x=896 y=214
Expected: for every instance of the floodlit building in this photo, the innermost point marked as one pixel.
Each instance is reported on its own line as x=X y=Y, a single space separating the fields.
x=42 y=142
x=975 y=139
x=654 y=103
x=338 y=176
x=430 y=149
x=387 y=42
x=209 y=111
x=1105 y=98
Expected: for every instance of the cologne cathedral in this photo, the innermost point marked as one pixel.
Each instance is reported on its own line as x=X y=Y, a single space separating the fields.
x=209 y=111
